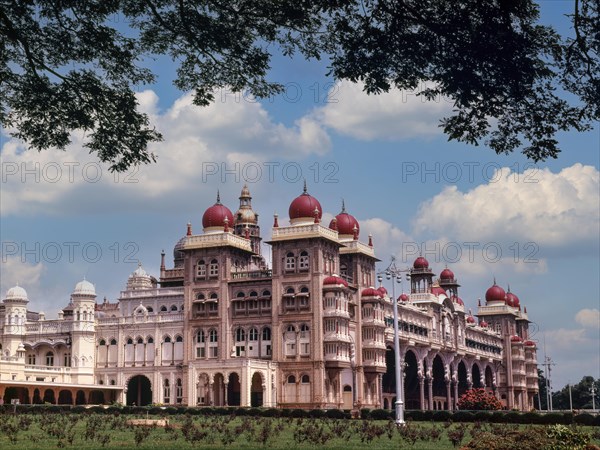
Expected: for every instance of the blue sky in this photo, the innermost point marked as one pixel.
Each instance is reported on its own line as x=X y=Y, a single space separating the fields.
x=385 y=156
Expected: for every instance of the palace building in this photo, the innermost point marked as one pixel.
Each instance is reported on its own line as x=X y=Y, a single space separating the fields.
x=222 y=328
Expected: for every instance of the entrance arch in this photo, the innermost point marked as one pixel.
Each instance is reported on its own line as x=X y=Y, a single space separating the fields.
x=476 y=376
x=139 y=391
x=256 y=391
x=463 y=382
x=233 y=390
x=411 y=381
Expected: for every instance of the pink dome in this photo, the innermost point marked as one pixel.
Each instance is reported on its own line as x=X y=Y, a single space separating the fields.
x=529 y=343
x=334 y=280
x=512 y=300
x=483 y=324
x=304 y=206
x=216 y=214
x=515 y=338
x=370 y=292
x=447 y=274
x=345 y=223
x=495 y=294
x=436 y=290
x=458 y=300
x=403 y=298
x=383 y=291
x=470 y=319
x=421 y=263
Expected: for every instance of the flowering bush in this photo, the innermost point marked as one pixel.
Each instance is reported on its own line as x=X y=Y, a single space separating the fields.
x=479 y=399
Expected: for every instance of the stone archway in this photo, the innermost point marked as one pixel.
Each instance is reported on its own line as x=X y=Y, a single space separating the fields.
x=218 y=390
x=139 y=391
x=476 y=376
x=463 y=381
x=256 y=390
x=65 y=397
x=489 y=378
x=411 y=381
x=234 y=390
x=438 y=383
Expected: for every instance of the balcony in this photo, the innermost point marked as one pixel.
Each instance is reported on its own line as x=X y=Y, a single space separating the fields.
x=336 y=313
x=372 y=365
x=372 y=343
x=334 y=361
x=373 y=321
x=336 y=337
x=253 y=275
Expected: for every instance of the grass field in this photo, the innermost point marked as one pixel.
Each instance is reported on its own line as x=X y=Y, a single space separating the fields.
x=86 y=432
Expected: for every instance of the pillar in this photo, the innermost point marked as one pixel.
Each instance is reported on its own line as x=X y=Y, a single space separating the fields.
x=448 y=396
x=455 y=394
x=225 y=397
x=422 y=393
x=430 y=391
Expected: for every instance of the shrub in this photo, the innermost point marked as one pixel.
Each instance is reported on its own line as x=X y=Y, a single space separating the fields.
x=463 y=416
x=337 y=414
x=567 y=438
x=381 y=414
x=365 y=413
x=271 y=412
x=316 y=413
x=298 y=413
x=479 y=399
x=584 y=419
x=442 y=416
x=483 y=416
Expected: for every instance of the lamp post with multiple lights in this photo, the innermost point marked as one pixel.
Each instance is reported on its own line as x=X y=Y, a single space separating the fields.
x=395 y=274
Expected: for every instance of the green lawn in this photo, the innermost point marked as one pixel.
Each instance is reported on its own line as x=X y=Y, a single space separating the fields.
x=51 y=431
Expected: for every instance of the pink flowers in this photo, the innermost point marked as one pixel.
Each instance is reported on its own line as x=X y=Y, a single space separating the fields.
x=479 y=399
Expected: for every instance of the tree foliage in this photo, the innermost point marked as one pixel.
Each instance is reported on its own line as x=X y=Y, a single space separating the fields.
x=581 y=394
x=70 y=65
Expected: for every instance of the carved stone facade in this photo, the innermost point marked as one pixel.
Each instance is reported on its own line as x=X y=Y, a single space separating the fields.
x=221 y=328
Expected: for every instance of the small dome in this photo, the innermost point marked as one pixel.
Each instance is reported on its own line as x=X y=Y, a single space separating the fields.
x=16 y=293
x=214 y=217
x=139 y=272
x=334 y=280
x=370 y=292
x=458 y=300
x=403 y=298
x=447 y=275
x=437 y=290
x=421 y=263
x=470 y=319
x=483 y=324
x=495 y=294
x=383 y=291
x=515 y=338
x=345 y=223
x=178 y=255
x=303 y=207
x=512 y=300
x=529 y=344
x=84 y=287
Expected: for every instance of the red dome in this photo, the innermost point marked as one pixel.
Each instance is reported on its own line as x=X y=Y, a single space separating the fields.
x=345 y=222
x=436 y=290
x=370 y=292
x=529 y=343
x=515 y=338
x=512 y=300
x=334 y=280
x=495 y=294
x=470 y=319
x=304 y=206
x=421 y=263
x=447 y=274
x=382 y=290
x=216 y=214
x=403 y=298
x=483 y=324
x=458 y=300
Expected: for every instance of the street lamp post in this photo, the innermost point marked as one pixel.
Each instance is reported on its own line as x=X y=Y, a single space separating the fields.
x=393 y=273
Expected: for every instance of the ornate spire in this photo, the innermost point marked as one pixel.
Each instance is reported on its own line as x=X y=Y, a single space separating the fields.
x=370 y=240
x=275 y=221
x=218 y=197
x=343 y=206
x=226 y=225
x=305 y=191
x=316 y=213
x=189 y=229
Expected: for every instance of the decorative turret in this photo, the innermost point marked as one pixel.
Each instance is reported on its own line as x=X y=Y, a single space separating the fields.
x=421 y=276
x=246 y=221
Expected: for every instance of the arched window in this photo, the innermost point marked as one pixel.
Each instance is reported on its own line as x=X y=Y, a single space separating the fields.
x=289 y=291
x=253 y=294
x=253 y=334
x=178 y=391
x=150 y=340
x=266 y=334
x=179 y=339
x=290 y=262
x=214 y=295
x=304 y=327
x=200 y=337
x=163 y=308
x=266 y=293
x=167 y=339
x=49 y=359
x=201 y=269
x=113 y=342
x=166 y=391
x=214 y=268
x=112 y=382
x=240 y=295
x=140 y=340
x=102 y=342
x=213 y=345
x=200 y=296
x=129 y=341
x=291 y=328
x=240 y=335
x=304 y=290
x=212 y=335
x=303 y=261
x=173 y=308
x=291 y=379
x=305 y=379
x=150 y=309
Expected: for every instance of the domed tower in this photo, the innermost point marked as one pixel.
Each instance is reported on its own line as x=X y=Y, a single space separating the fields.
x=305 y=209
x=449 y=283
x=245 y=222
x=83 y=335
x=83 y=300
x=345 y=224
x=217 y=218
x=139 y=280
x=421 y=276
x=15 y=315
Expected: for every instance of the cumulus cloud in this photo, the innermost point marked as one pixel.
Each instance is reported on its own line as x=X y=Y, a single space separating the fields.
x=394 y=115
x=229 y=133
x=556 y=210
x=14 y=272
x=588 y=318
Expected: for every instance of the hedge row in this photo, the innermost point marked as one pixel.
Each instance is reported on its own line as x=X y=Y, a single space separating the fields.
x=565 y=418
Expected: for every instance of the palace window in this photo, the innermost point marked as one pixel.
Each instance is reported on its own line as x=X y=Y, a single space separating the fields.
x=31 y=359
x=67 y=360
x=303 y=261
x=178 y=390
x=290 y=262
x=49 y=359
x=166 y=391
x=253 y=334
x=213 y=270
x=266 y=334
x=201 y=269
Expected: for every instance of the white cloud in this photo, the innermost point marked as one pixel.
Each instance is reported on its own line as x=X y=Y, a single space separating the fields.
x=226 y=133
x=588 y=318
x=394 y=115
x=556 y=211
x=16 y=272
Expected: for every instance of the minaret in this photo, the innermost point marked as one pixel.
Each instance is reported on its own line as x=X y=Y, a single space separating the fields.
x=15 y=304
x=244 y=218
